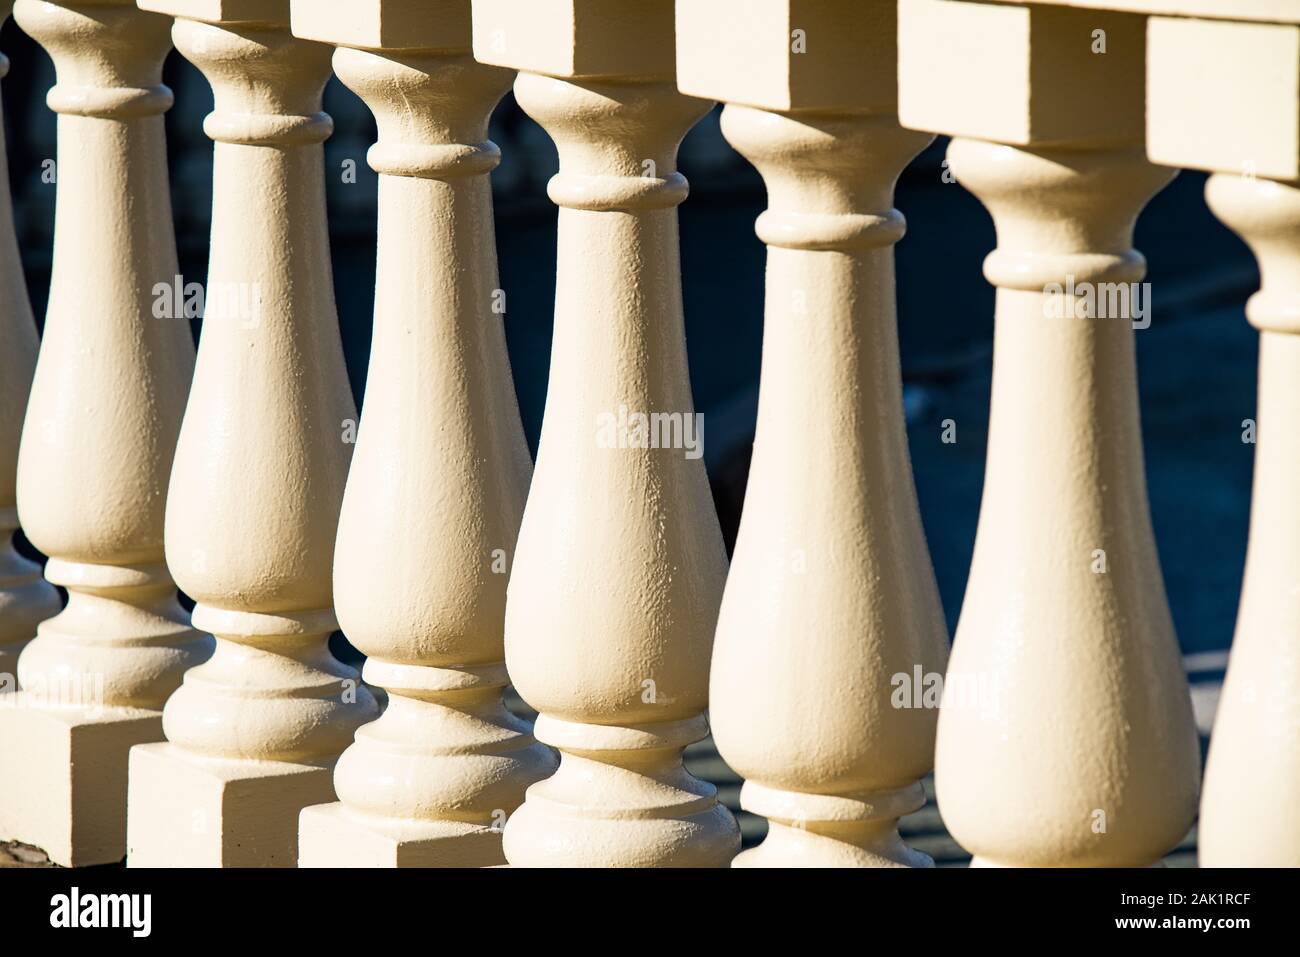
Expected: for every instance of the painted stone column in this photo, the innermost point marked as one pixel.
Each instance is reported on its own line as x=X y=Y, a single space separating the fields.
x=1079 y=747
x=98 y=440
x=1215 y=92
x=253 y=734
x=620 y=564
x=26 y=598
x=830 y=583
x=1249 y=813
x=437 y=485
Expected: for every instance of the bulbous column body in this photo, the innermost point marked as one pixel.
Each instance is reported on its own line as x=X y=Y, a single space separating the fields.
x=436 y=487
x=26 y=598
x=1250 y=809
x=830 y=585
x=253 y=734
x=620 y=564
x=1080 y=749
x=98 y=439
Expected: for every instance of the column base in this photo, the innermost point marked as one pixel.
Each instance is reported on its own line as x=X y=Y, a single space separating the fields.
x=792 y=846
x=646 y=810
x=329 y=835
x=832 y=830
x=194 y=811
x=985 y=862
x=65 y=785
x=539 y=834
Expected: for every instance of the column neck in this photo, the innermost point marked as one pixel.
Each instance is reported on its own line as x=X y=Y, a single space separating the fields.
x=123 y=80
x=1266 y=215
x=830 y=177
x=617 y=140
x=1059 y=213
x=431 y=108
x=266 y=84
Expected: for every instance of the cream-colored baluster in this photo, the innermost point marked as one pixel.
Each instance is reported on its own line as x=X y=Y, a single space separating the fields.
x=830 y=584
x=1250 y=812
x=614 y=594
x=437 y=486
x=98 y=442
x=1077 y=746
x=26 y=598
x=253 y=734
x=1216 y=93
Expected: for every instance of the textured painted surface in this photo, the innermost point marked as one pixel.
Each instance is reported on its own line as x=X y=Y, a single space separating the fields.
x=26 y=599
x=620 y=564
x=262 y=458
x=112 y=378
x=1072 y=742
x=1083 y=751
x=101 y=428
x=437 y=485
x=1250 y=811
x=1224 y=97
x=830 y=583
x=1074 y=643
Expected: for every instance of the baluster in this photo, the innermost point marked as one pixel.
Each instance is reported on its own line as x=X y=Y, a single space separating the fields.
x=1200 y=75
x=1080 y=748
x=620 y=564
x=253 y=734
x=98 y=441
x=438 y=482
x=830 y=583
x=1250 y=811
x=26 y=598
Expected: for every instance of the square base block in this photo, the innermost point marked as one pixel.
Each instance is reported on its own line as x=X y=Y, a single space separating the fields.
x=63 y=776
x=188 y=811
x=331 y=836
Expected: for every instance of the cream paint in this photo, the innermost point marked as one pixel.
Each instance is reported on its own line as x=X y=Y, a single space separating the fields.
x=253 y=734
x=98 y=440
x=620 y=563
x=437 y=485
x=1224 y=97
x=1250 y=811
x=26 y=598
x=1086 y=754
x=830 y=584
x=1089 y=755
x=1082 y=752
x=831 y=580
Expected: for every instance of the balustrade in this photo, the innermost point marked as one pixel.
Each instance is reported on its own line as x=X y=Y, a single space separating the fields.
x=437 y=485
x=830 y=583
x=98 y=440
x=254 y=733
x=598 y=577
